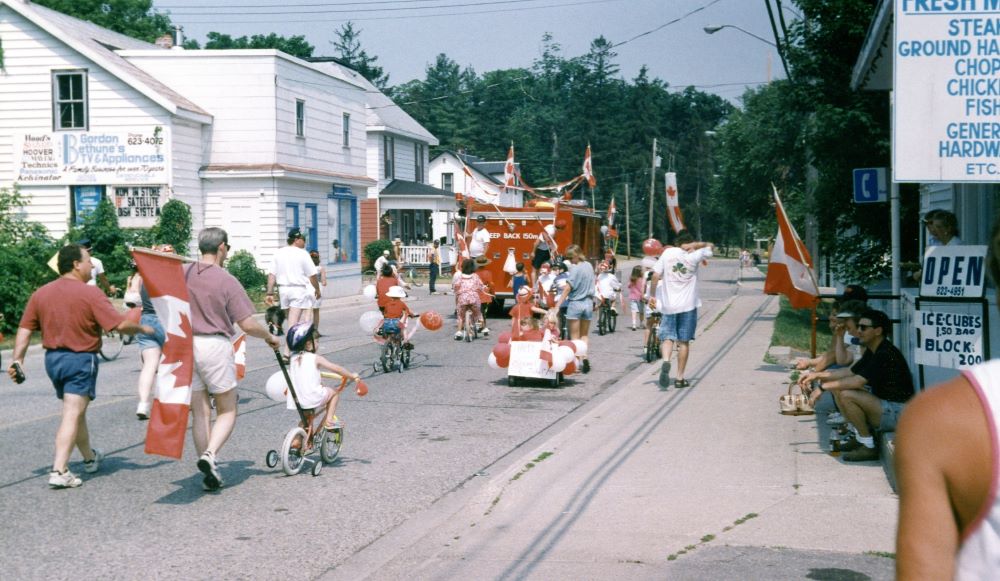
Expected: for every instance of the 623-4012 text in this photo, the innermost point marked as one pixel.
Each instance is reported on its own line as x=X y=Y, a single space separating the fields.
x=950 y=291
x=138 y=139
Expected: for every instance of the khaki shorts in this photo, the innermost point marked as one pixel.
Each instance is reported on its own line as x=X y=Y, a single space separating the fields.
x=299 y=297
x=214 y=364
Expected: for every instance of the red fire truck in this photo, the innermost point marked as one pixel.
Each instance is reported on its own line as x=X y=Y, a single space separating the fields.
x=516 y=229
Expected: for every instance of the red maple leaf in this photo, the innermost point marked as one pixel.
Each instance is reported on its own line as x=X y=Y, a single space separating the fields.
x=671 y=192
x=180 y=349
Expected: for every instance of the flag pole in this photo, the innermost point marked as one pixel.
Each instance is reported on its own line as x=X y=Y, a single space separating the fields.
x=628 y=227
x=169 y=255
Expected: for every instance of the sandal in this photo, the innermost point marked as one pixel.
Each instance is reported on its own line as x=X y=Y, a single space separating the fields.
x=680 y=383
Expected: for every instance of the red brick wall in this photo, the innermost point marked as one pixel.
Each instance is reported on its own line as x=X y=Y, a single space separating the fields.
x=369 y=223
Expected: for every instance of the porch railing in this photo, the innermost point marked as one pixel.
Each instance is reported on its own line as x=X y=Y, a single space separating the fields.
x=418 y=255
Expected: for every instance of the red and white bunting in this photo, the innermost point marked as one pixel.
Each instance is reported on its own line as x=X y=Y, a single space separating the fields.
x=588 y=169
x=673 y=203
x=240 y=356
x=509 y=172
x=789 y=269
x=163 y=277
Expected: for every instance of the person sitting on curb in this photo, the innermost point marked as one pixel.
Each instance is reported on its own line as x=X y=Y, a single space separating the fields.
x=873 y=391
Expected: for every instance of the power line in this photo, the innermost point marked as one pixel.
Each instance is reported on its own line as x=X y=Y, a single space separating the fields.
x=666 y=24
x=281 y=10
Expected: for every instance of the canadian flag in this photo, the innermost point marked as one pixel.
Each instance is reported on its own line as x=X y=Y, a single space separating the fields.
x=163 y=277
x=545 y=351
x=673 y=204
x=612 y=212
x=588 y=169
x=509 y=173
x=240 y=356
x=789 y=269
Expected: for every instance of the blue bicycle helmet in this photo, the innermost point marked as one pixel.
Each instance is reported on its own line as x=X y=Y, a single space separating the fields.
x=298 y=335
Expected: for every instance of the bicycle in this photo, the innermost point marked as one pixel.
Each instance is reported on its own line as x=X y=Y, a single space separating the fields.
x=652 y=352
x=112 y=344
x=409 y=277
x=394 y=356
x=471 y=326
x=607 y=318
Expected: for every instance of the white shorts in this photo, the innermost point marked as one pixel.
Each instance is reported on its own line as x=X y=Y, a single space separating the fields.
x=297 y=296
x=214 y=364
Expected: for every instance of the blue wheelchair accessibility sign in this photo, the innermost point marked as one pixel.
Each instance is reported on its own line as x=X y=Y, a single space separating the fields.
x=870 y=185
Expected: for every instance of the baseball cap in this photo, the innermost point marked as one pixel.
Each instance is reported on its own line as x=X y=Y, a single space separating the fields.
x=294 y=233
x=85 y=242
x=480 y=218
x=853 y=292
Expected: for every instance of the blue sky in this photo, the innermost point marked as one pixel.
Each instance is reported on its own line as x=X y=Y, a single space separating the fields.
x=407 y=35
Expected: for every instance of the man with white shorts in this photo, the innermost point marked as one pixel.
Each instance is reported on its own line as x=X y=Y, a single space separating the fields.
x=297 y=278
x=218 y=302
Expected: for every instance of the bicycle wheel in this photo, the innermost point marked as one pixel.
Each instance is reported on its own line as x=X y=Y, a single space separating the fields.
x=111 y=345
x=333 y=440
x=602 y=320
x=397 y=356
x=612 y=320
x=385 y=358
x=470 y=326
x=404 y=355
x=291 y=457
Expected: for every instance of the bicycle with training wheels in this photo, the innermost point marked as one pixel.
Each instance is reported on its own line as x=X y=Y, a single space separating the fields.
x=607 y=318
x=652 y=352
x=395 y=353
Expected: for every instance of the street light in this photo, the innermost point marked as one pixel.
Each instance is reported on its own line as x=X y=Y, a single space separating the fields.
x=717 y=28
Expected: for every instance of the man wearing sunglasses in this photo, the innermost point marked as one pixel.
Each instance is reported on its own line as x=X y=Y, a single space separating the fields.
x=873 y=391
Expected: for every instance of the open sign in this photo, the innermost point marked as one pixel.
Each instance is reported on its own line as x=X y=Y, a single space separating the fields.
x=953 y=271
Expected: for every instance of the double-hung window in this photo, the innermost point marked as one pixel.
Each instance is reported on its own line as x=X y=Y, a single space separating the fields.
x=300 y=118
x=448 y=181
x=418 y=163
x=69 y=100
x=347 y=130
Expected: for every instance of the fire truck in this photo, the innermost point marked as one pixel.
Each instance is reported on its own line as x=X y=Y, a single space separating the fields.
x=514 y=230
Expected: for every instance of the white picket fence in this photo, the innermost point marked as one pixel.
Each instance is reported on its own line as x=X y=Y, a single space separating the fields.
x=419 y=255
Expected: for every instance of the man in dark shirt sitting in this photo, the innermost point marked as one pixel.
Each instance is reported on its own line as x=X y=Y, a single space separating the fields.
x=873 y=391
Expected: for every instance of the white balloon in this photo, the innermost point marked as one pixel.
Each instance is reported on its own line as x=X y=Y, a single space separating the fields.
x=581 y=347
x=276 y=387
x=565 y=354
x=558 y=363
x=370 y=321
x=370 y=292
x=492 y=361
x=648 y=262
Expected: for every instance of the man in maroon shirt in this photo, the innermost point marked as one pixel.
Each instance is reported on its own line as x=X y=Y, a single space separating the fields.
x=218 y=304
x=71 y=316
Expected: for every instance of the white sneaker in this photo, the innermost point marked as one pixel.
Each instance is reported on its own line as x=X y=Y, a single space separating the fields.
x=486 y=332
x=834 y=419
x=213 y=480
x=91 y=466
x=65 y=480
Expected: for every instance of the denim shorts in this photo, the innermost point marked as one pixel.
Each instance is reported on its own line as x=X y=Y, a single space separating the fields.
x=580 y=310
x=678 y=326
x=890 y=415
x=154 y=341
x=72 y=372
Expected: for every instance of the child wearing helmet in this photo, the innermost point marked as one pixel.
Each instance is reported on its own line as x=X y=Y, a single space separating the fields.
x=304 y=370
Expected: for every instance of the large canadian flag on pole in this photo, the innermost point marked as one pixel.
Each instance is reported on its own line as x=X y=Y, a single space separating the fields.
x=789 y=270
x=673 y=204
x=588 y=169
x=612 y=212
x=163 y=276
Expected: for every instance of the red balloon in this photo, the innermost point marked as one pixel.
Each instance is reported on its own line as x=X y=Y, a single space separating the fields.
x=502 y=352
x=570 y=368
x=361 y=389
x=652 y=247
x=560 y=224
x=431 y=320
x=134 y=315
x=504 y=337
x=569 y=344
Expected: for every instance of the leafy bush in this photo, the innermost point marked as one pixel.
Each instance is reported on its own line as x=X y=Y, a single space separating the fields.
x=243 y=266
x=174 y=226
x=25 y=249
x=374 y=249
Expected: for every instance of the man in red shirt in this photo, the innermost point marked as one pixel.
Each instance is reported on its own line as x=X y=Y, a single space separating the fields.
x=71 y=316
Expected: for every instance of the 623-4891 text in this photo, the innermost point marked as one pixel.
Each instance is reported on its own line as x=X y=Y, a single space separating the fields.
x=950 y=291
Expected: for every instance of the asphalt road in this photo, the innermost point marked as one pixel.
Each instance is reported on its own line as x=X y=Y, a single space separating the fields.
x=415 y=437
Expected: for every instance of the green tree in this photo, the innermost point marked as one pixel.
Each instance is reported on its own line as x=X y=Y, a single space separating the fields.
x=25 y=249
x=349 y=51
x=295 y=45
x=174 y=226
x=135 y=18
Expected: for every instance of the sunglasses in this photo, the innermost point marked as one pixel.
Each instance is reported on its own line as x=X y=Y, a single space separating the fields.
x=864 y=327
x=227 y=246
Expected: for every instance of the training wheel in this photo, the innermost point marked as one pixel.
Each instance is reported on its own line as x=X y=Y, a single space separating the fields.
x=272 y=458
x=317 y=468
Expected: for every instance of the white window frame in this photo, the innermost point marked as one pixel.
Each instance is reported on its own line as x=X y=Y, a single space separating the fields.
x=58 y=101
x=389 y=153
x=346 y=131
x=300 y=118
x=448 y=181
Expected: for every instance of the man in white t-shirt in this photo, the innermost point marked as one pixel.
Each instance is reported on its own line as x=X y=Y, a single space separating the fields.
x=381 y=261
x=98 y=278
x=297 y=278
x=678 y=268
x=479 y=240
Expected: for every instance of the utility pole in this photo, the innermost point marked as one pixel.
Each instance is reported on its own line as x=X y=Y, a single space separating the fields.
x=628 y=227
x=652 y=188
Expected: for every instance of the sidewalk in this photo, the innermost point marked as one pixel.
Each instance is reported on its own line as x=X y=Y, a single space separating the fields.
x=709 y=482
